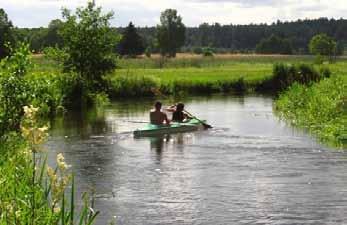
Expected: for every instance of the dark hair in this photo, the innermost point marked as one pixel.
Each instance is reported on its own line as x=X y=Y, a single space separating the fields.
x=180 y=106
x=157 y=105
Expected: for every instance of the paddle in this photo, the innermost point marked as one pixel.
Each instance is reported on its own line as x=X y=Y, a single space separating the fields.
x=134 y=121
x=158 y=92
x=205 y=125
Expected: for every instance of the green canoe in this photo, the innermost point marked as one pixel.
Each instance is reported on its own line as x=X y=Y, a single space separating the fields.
x=152 y=130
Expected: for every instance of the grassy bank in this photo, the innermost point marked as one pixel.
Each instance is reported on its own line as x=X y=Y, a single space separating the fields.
x=32 y=192
x=133 y=82
x=320 y=108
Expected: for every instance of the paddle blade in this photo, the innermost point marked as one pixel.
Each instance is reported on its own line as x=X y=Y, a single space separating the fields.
x=206 y=126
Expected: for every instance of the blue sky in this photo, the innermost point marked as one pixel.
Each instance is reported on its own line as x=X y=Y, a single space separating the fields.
x=36 y=13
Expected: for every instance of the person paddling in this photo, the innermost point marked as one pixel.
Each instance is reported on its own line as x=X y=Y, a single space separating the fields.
x=157 y=117
x=178 y=114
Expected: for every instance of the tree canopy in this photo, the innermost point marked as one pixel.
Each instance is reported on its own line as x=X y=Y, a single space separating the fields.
x=89 y=43
x=225 y=38
x=274 y=45
x=170 y=33
x=6 y=34
x=131 y=43
x=323 y=45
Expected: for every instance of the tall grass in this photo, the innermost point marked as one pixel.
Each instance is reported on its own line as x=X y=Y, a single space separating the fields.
x=198 y=61
x=32 y=192
x=321 y=108
x=137 y=82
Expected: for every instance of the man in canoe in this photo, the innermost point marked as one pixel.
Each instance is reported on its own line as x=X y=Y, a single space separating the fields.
x=158 y=117
x=178 y=114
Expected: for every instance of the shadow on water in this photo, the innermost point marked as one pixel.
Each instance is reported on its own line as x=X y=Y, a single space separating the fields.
x=160 y=143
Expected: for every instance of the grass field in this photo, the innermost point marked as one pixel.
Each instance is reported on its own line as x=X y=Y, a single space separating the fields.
x=190 y=73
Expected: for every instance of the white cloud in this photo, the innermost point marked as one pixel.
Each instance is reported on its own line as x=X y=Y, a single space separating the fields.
x=35 y=13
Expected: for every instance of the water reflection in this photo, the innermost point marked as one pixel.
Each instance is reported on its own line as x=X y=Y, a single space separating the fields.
x=167 y=142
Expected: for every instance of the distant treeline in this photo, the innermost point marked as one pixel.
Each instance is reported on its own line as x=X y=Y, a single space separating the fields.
x=289 y=37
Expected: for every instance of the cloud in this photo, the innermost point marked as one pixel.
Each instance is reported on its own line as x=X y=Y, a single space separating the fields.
x=35 y=13
x=244 y=3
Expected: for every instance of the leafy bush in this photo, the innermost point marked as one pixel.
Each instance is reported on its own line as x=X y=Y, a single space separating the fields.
x=284 y=76
x=197 y=50
x=207 y=51
x=148 y=52
x=89 y=44
x=13 y=88
x=18 y=88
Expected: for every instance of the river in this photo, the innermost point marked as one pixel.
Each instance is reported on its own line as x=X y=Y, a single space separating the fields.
x=251 y=168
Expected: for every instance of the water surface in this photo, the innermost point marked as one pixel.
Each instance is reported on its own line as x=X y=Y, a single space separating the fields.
x=251 y=168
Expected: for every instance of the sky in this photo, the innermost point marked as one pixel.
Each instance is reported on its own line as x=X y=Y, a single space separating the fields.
x=37 y=13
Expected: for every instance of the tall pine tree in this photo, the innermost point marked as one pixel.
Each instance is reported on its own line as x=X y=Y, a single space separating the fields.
x=131 y=43
x=6 y=34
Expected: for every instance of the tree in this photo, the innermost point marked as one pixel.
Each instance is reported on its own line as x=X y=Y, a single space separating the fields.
x=6 y=34
x=170 y=33
x=274 y=45
x=322 y=45
x=89 y=43
x=52 y=37
x=131 y=43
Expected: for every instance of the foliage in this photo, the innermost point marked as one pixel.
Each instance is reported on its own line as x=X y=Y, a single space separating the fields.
x=232 y=38
x=20 y=86
x=13 y=88
x=197 y=50
x=56 y=54
x=340 y=48
x=52 y=37
x=6 y=34
x=170 y=33
x=274 y=45
x=32 y=192
x=148 y=52
x=285 y=75
x=208 y=51
x=130 y=86
x=89 y=43
x=131 y=43
x=321 y=108
x=323 y=45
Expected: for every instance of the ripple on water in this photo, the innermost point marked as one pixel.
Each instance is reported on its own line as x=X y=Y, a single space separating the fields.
x=250 y=169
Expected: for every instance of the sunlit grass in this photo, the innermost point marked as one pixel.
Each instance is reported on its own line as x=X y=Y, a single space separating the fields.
x=321 y=108
x=32 y=192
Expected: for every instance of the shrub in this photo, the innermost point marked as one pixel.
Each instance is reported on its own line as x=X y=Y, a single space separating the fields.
x=207 y=52
x=197 y=50
x=284 y=76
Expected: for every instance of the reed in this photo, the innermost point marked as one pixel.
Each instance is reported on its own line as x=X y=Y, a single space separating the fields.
x=31 y=191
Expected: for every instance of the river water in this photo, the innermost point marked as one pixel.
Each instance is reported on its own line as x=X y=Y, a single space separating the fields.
x=251 y=168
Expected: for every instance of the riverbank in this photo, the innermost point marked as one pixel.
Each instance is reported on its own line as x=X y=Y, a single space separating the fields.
x=320 y=108
x=191 y=74
x=32 y=192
